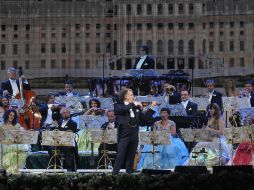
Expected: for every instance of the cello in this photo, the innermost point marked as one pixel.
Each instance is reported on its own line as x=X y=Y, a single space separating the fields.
x=30 y=118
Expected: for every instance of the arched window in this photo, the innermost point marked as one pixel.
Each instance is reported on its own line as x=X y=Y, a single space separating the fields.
x=149 y=43
x=149 y=9
x=138 y=45
x=170 y=9
x=160 y=49
x=191 y=47
x=180 y=9
x=128 y=47
x=139 y=9
x=204 y=46
x=160 y=9
x=180 y=47
x=191 y=9
x=170 y=47
x=128 y=9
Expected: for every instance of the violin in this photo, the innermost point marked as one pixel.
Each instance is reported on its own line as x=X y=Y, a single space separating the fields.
x=31 y=117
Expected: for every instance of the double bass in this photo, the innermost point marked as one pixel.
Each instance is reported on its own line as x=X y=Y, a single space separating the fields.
x=30 y=118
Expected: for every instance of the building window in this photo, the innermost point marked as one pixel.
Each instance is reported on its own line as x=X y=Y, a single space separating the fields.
x=231 y=62
x=204 y=26
x=77 y=35
x=191 y=9
x=63 y=63
x=180 y=9
x=77 y=26
x=128 y=27
x=15 y=27
x=204 y=46
x=180 y=26
x=53 y=48
x=211 y=34
x=221 y=25
x=15 y=64
x=53 y=35
x=128 y=9
x=149 y=26
x=160 y=49
x=128 y=47
x=53 y=64
x=43 y=64
x=15 y=49
x=108 y=26
x=139 y=26
x=43 y=35
x=221 y=33
x=3 y=49
x=87 y=64
x=242 y=46
x=139 y=9
x=170 y=26
x=108 y=35
x=98 y=26
x=231 y=46
x=87 y=26
x=232 y=24
x=2 y=65
x=149 y=9
x=180 y=47
x=77 y=64
x=108 y=48
x=43 y=48
x=221 y=46
x=160 y=9
x=87 y=34
x=241 y=33
x=63 y=35
x=211 y=46
x=27 y=36
x=3 y=27
x=27 y=49
x=149 y=43
x=160 y=26
x=3 y=36
x=138 y=45
x=98 y=48
x=191 y=26
x=170 y=9
x=15 y=36
x=115 y=48
x=242 y=62
x=87 y=48
x=211 y=25
x=191 y=47
x=27 y=65
x=231 y=33
x=63 y=48
x=170 y=47
x=242 y=24
x=77 y=48
x=170 y=63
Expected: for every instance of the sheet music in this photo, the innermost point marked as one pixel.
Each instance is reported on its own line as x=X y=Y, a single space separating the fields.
x=239 y=134
x=104 y=136
x=58 y=138
x=197 y=135
x=19 y=137
x=154 y=137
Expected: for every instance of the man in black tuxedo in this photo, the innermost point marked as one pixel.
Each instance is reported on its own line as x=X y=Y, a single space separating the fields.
x=144 y=61
x=249 y=88
x=170 y=94
x=129 y=117
x=68 y=89
x=11 y=86
x=214 y=96
x=111 y=124
x=190 y=107
x=70 y=153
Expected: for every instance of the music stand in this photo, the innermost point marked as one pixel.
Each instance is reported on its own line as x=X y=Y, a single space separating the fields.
x=57 y=138
x=105 y=137
x=154 y=138
x=19 y=137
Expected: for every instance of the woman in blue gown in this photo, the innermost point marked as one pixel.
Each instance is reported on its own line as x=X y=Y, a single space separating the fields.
x=169 y=155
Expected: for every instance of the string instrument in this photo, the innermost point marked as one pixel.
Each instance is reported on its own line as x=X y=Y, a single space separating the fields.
x=30 y=118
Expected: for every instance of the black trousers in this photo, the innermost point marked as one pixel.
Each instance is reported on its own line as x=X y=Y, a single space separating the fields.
x=126 y=150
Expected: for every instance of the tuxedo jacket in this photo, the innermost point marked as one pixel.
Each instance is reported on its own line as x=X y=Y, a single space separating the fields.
x=103 y=126
x=123 y=119
x=6 y=85
x=217 y=98
x=174 y=99
x=147 y=64
x=191 y=108
x=71 y=125
x=56 y=116
x=252 y=99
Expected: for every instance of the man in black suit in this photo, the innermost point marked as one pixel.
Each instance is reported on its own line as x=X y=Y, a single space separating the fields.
x=68 y=89
x=214 y=96
x=111 y=124
x=190 y=107
x=11 y=86
x=170 y=94
x=129 y=117
x=144 y=61
x=249 y=88
x=70 y=153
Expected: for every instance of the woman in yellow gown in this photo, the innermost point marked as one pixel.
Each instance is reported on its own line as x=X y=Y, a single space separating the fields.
x=9 y=151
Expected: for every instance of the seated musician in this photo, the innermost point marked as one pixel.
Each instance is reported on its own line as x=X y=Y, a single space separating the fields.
x=11 y=86
x=144 y=61
x=190 y=107
x=10 y=122
x=109 y=126
x=211 y=153
x=4 y=105
x=169 y=155
x=170 y=94
x=70 y=153
x=68 y=89
x=50 y=111
x=94 y=108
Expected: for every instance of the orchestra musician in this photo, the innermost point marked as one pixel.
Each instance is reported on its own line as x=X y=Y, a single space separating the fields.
x=11 y=87
x=249 y=88
x=170 y=94
x=190 y=107
x=94 y=108
x=144 y=61
x=71 y=156
x=68 y=89
x=129 y=116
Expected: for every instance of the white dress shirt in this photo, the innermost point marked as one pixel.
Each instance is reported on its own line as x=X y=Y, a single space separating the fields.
x=185 y=103
x=49 y=119
x=64 y=123
x=111 y=125
x=69 y=94
x=210 y=94
x=14 y=86
x=141 y=61
x=131 y=111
